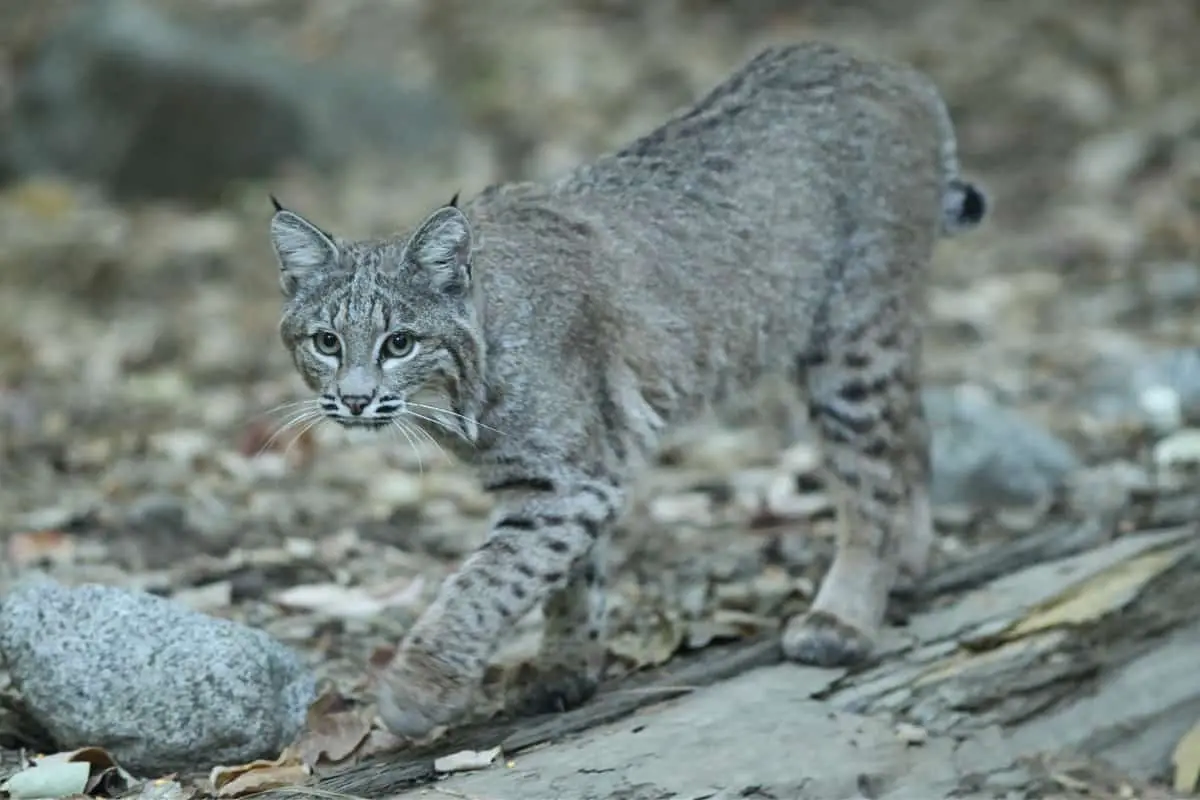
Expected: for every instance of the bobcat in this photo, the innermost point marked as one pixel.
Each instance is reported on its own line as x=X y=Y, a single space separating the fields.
x=551 y=333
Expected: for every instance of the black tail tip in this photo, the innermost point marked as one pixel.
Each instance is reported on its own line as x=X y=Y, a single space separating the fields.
x=974 y=205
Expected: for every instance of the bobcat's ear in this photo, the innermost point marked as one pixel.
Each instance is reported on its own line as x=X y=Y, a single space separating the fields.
x=441 y=248
x=304 y=250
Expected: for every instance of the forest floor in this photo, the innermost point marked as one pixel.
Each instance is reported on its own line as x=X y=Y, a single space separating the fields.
x=1052 y=653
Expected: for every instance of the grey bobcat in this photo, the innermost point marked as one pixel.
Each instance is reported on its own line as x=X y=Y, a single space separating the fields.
x=551 y=333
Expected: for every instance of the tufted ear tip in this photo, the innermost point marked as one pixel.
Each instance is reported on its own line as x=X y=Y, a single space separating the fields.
x=275 y=204
x=441 y=246
x=303 y=249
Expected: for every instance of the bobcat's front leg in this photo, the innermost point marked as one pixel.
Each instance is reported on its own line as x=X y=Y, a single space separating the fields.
x=571 y=658
x=539 y=549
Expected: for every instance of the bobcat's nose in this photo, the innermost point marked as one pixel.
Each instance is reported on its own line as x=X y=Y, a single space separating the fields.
x=357 y=403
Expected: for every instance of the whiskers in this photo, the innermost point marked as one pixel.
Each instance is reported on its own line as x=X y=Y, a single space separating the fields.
x=302 y=417
x=418 y=424
x=442 y=426
x=413 y=434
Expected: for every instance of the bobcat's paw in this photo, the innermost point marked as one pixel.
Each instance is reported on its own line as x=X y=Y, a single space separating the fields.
x=417 y=692
x=546 y=686
x=821 y=639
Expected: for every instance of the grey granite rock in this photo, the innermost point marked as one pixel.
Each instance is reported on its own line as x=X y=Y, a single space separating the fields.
x=123 y=95
x=161 y=687
x=986 y=455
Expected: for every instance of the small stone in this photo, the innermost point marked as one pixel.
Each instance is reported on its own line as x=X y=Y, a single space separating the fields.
x=1179 y=452
x=986 y=455
x=1162 y=406
x=1106 y=488
x=785 y=502
x=693 y=508
x=911 y=735
x=183 y=446
x=723 y=450
x=460 y=488
x=1158 y=388
x=801 y=459
x=393 y=490
x=161 y=687
x=157 y=512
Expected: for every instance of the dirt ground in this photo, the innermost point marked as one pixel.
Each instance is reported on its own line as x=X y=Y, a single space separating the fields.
x=1051 y=654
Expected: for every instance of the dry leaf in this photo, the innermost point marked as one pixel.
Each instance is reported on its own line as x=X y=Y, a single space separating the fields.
x=349 y=601
x=1103 y=593
x=400 y=593
x=329 y=598
x=40 y=546
x=381 y=656
x=165 y=789
x=48 y=780
x=257 y=776
x=652 y=645
x=381 y=740
x=1186 y=759
x=263 y=436
x=725 y=625
x=105 y=776
x=97 y=757
x=465 y=760
x=333 y=730
x=46 y=198
x=208 y=597
x=912 y=735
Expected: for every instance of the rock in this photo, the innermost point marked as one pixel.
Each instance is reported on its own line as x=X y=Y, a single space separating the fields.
x=1160 y=389
x=163 y=688
x=1107 y=488
x=985 y=455
x=687 y=508
x=1177 y=456
x=1164 y=388
x=785 y=500
x=394 y=490
x=122 y=96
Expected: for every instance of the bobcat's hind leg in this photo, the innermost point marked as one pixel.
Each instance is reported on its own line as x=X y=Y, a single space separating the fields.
x=864 y=403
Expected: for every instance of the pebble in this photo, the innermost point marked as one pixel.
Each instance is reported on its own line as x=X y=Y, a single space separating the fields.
x=1178 y=455
x=393 y=489
x=161 y=687
x=1107 y=488
x=692 y=508
x=911 y=735
x=784 y=501
x=1160 y=388
x=987 y=455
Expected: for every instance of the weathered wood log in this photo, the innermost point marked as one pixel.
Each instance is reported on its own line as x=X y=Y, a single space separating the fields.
x=1075 y=640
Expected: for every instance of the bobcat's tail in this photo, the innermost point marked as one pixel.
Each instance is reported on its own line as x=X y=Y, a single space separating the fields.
x=964 y=204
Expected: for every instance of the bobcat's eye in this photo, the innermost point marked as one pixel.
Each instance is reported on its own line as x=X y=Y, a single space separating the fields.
x=327 y=343
x=398 y=345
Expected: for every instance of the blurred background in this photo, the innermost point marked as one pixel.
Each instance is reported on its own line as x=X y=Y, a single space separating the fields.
x=139 y=359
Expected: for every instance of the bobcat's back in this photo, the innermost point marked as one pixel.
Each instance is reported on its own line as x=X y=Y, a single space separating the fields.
x=692 y=261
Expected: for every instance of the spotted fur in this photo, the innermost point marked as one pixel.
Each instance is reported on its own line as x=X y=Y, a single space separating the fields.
x=552 y=333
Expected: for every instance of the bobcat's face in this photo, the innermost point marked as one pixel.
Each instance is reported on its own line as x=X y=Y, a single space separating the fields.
x=383 y=332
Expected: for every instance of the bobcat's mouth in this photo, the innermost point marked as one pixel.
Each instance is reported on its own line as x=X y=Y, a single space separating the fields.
x=360 y=424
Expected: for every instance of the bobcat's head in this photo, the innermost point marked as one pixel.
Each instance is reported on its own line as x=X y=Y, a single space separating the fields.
x=384 y=331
